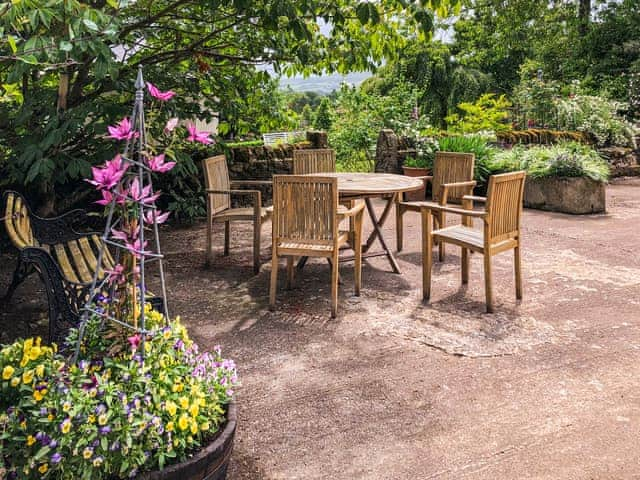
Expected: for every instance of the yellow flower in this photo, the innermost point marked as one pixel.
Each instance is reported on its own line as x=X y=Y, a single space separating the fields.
x=34 y=353
x=171 y=408
x=87 y=453
x=102 y=419
x=194 y=409
x=170 y=427
x=31 y=440
x=66 y=426
x=28 y=343
x=184 y=402
x=204 y=426
x=27 y=377
x=7 y=372
x=23 y=424
x=66 y=406
x=183 y=423
x=203 y=402
x=194 y=428
x=38 y=395
x=50 y=417
x=15 y=381
x=91 y=418
x=43 y=468
x=175 y=442
x=166 y=334
x=40 y=370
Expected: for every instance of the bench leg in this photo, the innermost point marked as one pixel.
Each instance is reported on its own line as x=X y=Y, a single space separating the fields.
x=20 y=274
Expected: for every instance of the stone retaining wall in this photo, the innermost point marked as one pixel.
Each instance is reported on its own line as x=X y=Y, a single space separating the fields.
x=567 y=195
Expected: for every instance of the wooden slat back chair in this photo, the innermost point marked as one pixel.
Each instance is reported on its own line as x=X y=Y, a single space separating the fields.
x=320 y=160
x=500 y=232
x=65 y=259
x=306 y=219
x=219 y=190
x=452 y=179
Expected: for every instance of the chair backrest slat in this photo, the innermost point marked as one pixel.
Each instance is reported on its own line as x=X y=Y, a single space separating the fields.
x=304 y=209
x=504 y=205
x=216 y=177
x=321 y=160
x=451 y=167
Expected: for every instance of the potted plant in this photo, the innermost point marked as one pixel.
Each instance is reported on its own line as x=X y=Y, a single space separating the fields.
x=132 y=394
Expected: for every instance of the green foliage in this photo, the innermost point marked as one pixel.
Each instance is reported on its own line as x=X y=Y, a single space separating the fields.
x=418 y=162
x=322 y=120
x=488 y=113
x=476 y=144
x=562 y=160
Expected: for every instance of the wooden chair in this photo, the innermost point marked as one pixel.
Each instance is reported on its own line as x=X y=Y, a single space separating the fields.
x=306 y=217
x=452 y=179
x=219 y=190
x=501 y=231
x=321 y=160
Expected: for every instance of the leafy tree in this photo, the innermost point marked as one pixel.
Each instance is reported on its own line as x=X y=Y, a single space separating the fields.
x=488 y=113
x=322 y=120
x=74 y=63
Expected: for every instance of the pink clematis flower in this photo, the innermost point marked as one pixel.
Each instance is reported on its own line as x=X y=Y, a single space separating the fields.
x=144 y=194
x=117 y=275
x=196 y=136
x=134 y=341
x=122 y=131
x=108 y=176
x=151 y=214
x=122 y=235
x=137 y=247
x=162 y=96
x=172 y=123
x=157 y=164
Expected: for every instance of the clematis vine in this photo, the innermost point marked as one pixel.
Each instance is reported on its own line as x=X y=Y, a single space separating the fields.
x=157 y=164
x=172 y=123
x=141 y=194
x=122 y=131
x=156 y=93
x=196 y=136
x=152 y=214
x=109 y=176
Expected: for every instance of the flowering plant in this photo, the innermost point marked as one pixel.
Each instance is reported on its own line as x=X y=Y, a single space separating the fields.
x=109 y=417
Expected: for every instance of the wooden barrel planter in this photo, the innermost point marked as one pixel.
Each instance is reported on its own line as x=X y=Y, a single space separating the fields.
x=209 y=463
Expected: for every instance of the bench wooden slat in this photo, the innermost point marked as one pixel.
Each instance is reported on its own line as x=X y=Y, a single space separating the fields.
x=65 y=265
x=79 y=262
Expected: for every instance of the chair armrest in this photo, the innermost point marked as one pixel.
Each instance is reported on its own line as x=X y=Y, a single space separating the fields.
x=458 y=211
x=256 y=194
x=473 y=198
x=444 y=189
x=251 y=182
x=352 y=211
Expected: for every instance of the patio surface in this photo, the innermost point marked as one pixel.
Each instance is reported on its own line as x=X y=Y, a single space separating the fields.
x=391 y=389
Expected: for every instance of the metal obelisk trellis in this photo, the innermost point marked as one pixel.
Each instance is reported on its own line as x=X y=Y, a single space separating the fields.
x=135 y=152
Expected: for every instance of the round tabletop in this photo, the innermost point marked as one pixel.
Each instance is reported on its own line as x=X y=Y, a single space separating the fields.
x=373 y=183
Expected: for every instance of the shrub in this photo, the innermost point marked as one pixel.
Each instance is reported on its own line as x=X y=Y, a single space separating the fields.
x=476 y=144
x=563 y=160
x=488 y=113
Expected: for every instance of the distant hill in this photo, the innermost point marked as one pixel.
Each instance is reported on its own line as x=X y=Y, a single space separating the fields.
x=322 y=83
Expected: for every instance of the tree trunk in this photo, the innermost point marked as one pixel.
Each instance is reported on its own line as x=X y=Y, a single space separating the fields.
x=584 y=16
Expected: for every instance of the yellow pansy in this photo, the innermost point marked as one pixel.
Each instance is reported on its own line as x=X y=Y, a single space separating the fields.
x=91 y=418
x=66 y=406
x=170 y=427
x=66 y=426
x=38 y=395
x=171 y=408
x=15 y=381
x=23 y=424
x=43 y=468
x=50 y=417
x=194 y=428
x=194 y=410
x=27 y=377
x=24 y=361
x=102 y=419
x=31 y=440
x=203 y=402
x=204 y=426
x=87 y=453
x=175 y=442
x=184 y=402
x=34 y=353
x=40 y=370
x=183 y=423
x=7 y=372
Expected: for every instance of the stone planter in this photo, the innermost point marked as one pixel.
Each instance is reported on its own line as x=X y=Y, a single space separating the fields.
x=416 y=195
x=209 y=463
x=566 y=195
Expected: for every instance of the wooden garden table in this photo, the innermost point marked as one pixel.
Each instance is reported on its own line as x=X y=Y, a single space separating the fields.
x=353 y=186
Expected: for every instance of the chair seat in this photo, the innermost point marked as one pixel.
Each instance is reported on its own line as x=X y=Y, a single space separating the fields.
x=461 y=235
x=310 y=249
x=242 y=214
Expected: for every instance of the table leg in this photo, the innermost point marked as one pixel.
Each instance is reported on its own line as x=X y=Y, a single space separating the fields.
x=377 y=231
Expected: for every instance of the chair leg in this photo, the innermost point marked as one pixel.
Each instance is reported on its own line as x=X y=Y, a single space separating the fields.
x=358 y=254
x=257 y=227
x=209 y=233
x=488 y=289
x=274 y=281
x=465 y=266
x=441 y=252
x=227 y=231
x=518 y=272
x=334 y=284
x=427 y=260
x=399 y=227
x=290 y=270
